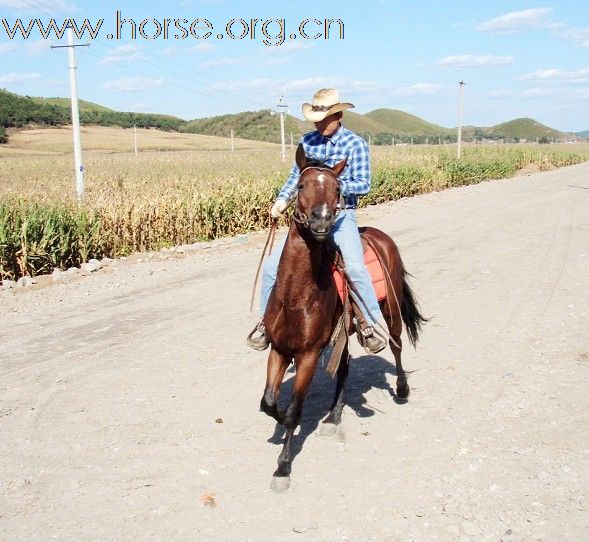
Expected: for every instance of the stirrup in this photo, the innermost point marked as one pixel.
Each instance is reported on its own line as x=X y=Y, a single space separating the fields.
x=371 y=340
x=258 y=343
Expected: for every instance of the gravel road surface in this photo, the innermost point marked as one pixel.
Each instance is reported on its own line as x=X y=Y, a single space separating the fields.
x=129 y=401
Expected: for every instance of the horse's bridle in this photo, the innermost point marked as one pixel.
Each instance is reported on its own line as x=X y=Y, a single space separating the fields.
x=301 y=218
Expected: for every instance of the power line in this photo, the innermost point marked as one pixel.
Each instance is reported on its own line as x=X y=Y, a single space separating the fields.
x=170 y=83
x=118 y=49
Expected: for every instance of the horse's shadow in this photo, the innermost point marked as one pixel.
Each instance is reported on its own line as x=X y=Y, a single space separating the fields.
x=366 y=373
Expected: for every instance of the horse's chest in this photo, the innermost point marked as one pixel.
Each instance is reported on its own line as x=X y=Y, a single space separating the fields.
x=300 y=327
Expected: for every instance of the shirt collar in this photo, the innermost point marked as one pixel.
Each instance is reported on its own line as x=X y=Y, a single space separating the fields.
x=335 y=136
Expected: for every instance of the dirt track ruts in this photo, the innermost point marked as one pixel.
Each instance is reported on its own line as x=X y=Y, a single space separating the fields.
x=113 y=387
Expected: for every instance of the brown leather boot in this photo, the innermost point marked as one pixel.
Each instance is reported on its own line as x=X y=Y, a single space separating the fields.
x=372 y=342
x=260 y=342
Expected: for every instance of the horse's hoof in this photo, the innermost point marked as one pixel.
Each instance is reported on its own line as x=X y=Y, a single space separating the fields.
x=403 y=391
x=327 y=429
x=280 y=483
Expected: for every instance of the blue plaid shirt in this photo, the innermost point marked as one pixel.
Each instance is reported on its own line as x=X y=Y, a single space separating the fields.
x=344 y=144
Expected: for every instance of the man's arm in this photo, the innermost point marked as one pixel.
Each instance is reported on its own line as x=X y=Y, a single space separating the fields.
x=359 y=162
x=288 y=190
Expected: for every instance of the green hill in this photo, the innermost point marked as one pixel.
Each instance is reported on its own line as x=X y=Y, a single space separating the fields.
x=362 y=124
x=259 y=125
x=383 y=125
x=83 y=105
x=524 y=128
x=404 y=124
x=17 y=111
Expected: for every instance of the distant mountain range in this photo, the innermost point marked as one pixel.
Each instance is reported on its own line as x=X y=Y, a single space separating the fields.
x=383 y=126
x=584 y=134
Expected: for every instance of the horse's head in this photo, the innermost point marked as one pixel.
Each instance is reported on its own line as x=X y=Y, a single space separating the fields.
x=318 y=195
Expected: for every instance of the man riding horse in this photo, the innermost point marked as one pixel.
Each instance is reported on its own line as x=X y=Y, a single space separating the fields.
x=330 y=144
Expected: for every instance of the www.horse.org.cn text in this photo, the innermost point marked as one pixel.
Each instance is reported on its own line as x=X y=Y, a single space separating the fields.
x=271 y=32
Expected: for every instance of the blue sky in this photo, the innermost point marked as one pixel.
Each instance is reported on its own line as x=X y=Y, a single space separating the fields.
x=517 y=58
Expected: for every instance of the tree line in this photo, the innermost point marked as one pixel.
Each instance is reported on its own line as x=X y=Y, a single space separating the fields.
x=17 y=111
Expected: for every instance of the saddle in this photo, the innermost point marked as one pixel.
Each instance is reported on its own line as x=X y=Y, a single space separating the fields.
x=352 y=312
x=374 y=269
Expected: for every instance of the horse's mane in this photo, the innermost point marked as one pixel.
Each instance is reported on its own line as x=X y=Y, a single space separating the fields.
x=314 y=162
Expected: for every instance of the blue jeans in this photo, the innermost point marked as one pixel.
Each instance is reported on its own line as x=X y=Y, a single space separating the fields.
x=345 y=235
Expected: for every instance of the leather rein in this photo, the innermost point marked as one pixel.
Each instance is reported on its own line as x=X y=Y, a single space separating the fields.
x=340 y=335
x=300 y=218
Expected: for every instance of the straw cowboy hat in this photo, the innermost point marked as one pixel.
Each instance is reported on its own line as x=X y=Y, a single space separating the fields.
x=325 y=102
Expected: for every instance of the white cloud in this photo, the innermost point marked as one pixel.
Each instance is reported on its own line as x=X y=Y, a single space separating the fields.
x=361 y=86
x=16 y=78
x=189 y=3
x=289 y=47
x=582 y=92
x=300 y=88
x=37 y=47
x=123 y=53
x=248 y=84
x=500 y=93
x=310 y=83
x=132 y=84
x=556 y=74
x=579 y=35
x=6 y=47
x=56 y=5
x=221 y=62
x=538 y=91
x=478 y=61
x=170 y=51
x=203 y=47
x=517 y=21
x=419 y=89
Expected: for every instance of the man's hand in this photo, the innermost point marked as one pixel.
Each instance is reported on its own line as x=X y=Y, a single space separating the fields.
x=278 y=208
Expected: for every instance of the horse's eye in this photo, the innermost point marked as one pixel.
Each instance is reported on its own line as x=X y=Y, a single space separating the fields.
x=300 y=186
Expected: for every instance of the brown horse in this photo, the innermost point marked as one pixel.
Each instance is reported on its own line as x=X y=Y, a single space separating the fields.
x=304 y=306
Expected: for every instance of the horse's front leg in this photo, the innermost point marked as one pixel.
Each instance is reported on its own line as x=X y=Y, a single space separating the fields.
x=306 y=364
x=277 y=364
x=334 y=418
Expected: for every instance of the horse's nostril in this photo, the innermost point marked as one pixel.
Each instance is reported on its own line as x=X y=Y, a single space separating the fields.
x=321 y=213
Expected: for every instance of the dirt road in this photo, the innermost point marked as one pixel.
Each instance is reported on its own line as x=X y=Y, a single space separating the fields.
x=128 y=397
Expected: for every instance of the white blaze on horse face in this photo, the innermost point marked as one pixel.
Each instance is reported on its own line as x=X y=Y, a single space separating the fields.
x=321 y=178
x=324 y=210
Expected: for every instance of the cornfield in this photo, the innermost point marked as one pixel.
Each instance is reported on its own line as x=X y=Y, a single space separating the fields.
x=166 y=198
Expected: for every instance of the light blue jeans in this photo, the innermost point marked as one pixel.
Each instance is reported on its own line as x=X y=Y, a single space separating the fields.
x=345 y=235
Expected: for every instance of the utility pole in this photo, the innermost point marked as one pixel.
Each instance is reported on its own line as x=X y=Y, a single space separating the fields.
x=75 y=110
x=135 y=135
x=232 y=147
x=282 y=109
x=460 y=104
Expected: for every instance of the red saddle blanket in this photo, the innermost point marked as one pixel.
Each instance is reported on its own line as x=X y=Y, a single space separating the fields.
x=376 y=273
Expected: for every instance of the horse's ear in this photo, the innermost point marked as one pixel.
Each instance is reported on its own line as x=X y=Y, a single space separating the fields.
x=339 y=167
x=301 y=157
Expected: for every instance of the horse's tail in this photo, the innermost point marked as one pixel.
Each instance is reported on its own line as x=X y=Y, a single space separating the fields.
x=410 y=312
